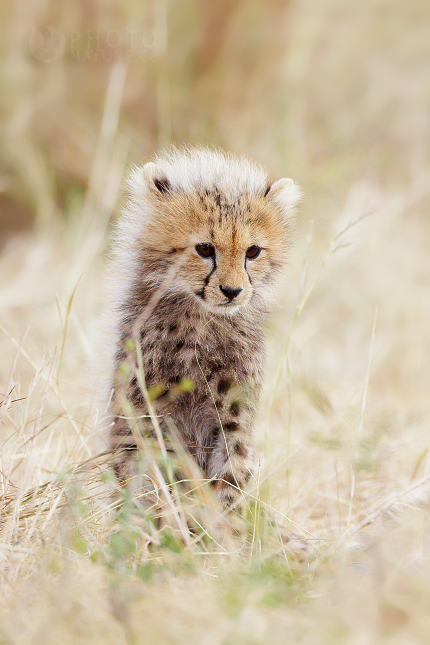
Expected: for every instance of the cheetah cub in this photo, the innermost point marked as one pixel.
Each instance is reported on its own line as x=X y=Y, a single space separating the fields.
x=197 y=249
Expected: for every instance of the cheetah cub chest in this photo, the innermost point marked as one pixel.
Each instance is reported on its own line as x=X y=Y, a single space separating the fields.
x=198 y=246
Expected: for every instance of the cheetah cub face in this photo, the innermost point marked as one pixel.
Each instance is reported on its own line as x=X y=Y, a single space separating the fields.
x=227 y=243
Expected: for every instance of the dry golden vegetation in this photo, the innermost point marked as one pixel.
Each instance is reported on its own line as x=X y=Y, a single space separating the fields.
x=334 y=94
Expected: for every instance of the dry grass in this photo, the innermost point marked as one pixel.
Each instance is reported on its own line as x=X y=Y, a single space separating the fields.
x=336 y=95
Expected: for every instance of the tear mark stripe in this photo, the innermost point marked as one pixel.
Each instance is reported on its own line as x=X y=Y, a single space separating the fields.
x=201 y=293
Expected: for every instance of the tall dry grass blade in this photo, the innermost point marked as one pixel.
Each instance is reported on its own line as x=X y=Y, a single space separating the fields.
x=104 y=151
x=366 y=384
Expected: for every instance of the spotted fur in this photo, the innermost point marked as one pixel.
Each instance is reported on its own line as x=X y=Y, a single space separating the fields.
x=191 y=278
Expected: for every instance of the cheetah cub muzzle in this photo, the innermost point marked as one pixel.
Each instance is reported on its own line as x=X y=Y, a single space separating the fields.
x=198 y=246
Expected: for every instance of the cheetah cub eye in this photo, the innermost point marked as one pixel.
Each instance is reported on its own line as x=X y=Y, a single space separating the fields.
x=205 y=250
x=253 y=252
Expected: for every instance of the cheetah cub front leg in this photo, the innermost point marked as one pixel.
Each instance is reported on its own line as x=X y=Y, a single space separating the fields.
x=231 y=463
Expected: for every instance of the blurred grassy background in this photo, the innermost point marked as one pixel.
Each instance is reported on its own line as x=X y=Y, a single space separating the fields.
x=334 y=94
x=330 y=91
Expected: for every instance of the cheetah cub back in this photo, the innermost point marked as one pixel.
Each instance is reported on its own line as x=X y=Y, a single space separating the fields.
x=191 y=278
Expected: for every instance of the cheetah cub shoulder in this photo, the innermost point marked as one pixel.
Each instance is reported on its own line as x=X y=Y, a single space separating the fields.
x=191 y=278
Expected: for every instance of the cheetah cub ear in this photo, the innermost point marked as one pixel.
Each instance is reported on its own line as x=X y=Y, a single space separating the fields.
x=149 y=179
x=286 y=194
x=156 y=179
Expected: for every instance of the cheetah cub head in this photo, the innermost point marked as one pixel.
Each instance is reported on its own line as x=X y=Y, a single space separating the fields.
x=216 y=217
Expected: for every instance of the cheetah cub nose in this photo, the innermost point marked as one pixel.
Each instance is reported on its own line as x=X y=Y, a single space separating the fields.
x=230 y=292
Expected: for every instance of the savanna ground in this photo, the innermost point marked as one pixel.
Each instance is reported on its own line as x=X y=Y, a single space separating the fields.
x=335 y=95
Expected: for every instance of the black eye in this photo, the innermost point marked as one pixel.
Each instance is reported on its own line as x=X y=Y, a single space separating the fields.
x=253 y=252
x=205 y=250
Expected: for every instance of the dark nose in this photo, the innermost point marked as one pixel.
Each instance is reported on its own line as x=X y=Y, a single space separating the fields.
x=230 y=292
